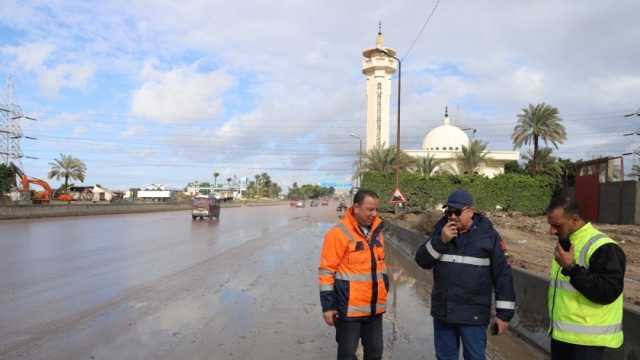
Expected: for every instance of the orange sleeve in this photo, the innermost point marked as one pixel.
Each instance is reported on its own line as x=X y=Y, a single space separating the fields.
x=333 y=250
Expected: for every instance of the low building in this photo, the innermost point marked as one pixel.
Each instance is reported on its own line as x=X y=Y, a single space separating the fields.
x=156 y=193
x=101 y=194
x=81 y=193
x=232 y=191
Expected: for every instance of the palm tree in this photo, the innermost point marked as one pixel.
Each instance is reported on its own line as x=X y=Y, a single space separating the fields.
x=427 y=165
x=383 y=159
x=472 y=156
x=67 y=167
x=545 y=163
x=257 y=182
x=538 y=122
x=569 y=171
x=266 y=184
x=229 y=181
x=215 y=179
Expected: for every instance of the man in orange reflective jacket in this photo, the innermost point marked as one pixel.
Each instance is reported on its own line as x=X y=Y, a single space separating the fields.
x=353 y=279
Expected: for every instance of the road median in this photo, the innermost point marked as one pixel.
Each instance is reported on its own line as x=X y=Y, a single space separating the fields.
x=15 y=212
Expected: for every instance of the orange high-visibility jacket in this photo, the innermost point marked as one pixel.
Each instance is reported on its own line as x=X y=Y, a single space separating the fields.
x=352 y=272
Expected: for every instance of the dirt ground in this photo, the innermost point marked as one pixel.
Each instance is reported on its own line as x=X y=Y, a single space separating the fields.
x=531 y=247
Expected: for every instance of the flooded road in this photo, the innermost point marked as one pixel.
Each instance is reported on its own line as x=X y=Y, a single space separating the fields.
x=161 y=286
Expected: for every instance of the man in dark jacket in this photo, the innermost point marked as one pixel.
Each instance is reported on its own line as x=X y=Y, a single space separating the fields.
x=468 y=263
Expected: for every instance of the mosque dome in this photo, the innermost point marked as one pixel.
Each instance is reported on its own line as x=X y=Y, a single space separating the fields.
x=445 y=137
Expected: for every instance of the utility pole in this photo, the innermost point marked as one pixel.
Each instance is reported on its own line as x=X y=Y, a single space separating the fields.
x=397 y=197
x=359 y=159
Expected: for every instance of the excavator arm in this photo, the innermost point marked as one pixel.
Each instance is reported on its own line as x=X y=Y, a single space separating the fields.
x=39 y=197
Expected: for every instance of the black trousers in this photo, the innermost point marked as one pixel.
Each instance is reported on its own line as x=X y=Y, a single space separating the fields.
x=349 y=332
x=565 y=351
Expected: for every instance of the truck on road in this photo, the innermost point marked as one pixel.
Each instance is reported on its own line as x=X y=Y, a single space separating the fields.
x=204 y=206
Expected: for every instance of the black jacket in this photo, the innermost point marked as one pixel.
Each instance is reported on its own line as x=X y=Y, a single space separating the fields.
x=465 y=272
x=603 y=281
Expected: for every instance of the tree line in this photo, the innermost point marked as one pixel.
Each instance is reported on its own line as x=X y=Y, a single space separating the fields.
x=309 y=191
x=262 y=186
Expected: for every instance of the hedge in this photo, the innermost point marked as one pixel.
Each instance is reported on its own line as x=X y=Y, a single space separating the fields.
x=512 y=192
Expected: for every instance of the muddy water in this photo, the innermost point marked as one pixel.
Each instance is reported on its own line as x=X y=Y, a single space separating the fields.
x=161 y=286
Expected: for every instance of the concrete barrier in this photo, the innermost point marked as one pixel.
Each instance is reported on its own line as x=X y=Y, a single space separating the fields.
x=531 y=320
x=42 y=211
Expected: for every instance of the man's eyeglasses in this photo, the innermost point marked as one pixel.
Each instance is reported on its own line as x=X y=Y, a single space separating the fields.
x=453 y=211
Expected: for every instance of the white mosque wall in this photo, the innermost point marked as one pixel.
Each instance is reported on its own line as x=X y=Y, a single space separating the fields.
x=491 y=167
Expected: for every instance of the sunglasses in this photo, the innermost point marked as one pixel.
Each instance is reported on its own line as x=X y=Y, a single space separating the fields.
x=453 y=211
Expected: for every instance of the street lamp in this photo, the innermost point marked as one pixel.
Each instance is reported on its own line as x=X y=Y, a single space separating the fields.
x=398 y=126
x=359 y=159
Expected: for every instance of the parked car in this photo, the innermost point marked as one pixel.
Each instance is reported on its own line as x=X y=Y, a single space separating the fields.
x=314 y=203
x=300 y=204
x=205 y=207
x=324 y=202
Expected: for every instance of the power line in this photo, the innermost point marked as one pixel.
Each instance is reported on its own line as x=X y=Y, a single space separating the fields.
x=421 y=30
x=637 y=113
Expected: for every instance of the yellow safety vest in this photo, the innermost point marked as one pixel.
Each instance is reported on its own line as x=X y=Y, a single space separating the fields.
x=573 y=318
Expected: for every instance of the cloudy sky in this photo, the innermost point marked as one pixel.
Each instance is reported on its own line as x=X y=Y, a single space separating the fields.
x=158 y=91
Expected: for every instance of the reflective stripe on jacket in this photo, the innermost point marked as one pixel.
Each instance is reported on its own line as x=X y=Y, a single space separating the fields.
x=573 y=318
x=466 y=270
x=352 y=274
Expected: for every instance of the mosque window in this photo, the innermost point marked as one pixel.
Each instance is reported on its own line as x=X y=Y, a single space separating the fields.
x=437 y=148
x=450 y=147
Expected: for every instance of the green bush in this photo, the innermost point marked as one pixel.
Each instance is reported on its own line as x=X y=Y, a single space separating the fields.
x=7 y=179
x=513 y=192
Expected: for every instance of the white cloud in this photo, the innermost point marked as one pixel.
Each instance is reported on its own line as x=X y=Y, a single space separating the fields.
x=132 y=131
x=73 y=76
x=30 y=56
x=182 y=94
x=615 y=91
x=79 y=131
x=143 y=153
x=65 y=119
x=33 y=57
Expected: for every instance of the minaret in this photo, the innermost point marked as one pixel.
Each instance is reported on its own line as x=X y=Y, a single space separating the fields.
x=378 y=68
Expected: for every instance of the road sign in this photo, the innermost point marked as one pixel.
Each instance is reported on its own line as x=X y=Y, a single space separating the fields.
x=398 y=197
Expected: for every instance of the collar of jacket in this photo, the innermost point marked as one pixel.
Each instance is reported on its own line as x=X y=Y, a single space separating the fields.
x=584 y=232
x=352 y=224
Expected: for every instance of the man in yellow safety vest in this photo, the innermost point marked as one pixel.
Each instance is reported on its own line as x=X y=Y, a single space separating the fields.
x=585 y=300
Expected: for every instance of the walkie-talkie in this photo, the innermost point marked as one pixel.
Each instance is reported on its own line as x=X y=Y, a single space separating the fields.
x=565 y=243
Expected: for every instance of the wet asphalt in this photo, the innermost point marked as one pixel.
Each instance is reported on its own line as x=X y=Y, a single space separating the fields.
x=161 y=286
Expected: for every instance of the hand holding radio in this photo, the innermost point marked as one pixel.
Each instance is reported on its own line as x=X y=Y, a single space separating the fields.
x=449 y=231
x=564 y=253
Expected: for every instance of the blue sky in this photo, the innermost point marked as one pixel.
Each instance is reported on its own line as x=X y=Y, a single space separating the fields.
x=169 y=92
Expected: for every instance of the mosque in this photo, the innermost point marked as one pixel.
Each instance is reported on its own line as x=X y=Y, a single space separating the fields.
x=444 y=142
